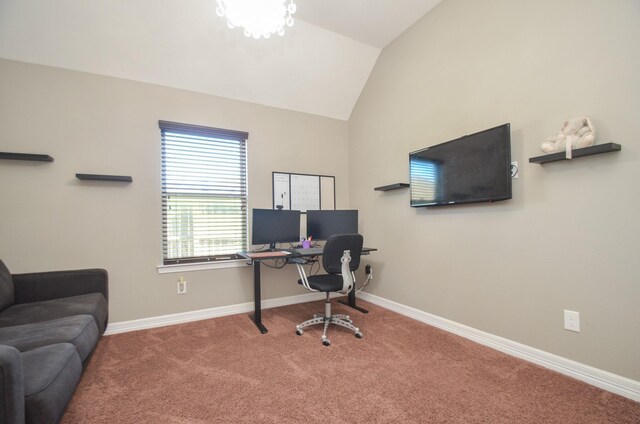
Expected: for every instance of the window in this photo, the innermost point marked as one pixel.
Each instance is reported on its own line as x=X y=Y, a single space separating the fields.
x=204 y=193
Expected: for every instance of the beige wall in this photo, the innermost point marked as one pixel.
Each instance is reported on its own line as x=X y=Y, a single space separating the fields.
x=569 y=238
x=92 y=124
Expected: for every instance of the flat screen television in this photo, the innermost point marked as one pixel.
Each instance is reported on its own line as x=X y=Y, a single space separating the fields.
x=271 y=226
x=323 y=224
x=469 y=169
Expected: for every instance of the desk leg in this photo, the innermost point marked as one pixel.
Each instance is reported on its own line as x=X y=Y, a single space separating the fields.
x=351 y=301
x=257 y=307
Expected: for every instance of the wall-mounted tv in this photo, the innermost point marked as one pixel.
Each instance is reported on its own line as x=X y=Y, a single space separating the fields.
x=473 y=168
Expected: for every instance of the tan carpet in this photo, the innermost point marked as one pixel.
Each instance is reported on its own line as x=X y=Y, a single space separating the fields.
x=224 y=371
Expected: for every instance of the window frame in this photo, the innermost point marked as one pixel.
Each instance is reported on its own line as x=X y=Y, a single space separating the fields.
x=168 y=130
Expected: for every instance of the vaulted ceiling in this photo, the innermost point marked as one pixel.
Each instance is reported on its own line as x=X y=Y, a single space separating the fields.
x=320 y=66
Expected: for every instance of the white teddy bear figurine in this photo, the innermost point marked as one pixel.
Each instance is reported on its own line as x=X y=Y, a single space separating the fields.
x=574 y=134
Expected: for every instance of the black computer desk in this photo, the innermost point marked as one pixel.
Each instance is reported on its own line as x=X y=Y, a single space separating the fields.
x=256 y=259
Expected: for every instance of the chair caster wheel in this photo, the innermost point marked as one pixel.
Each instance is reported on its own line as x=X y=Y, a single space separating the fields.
x=299 y=332
x=359 y=335
x=326 y=342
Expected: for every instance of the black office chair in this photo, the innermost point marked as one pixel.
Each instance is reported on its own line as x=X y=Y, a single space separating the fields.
x=340 y=258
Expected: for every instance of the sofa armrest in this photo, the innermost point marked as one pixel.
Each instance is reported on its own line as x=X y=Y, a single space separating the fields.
x=39 y=286
x=11 y=386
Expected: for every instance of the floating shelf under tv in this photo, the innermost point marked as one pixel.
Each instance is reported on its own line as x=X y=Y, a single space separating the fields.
x=26 y=156
x=392 y=187
x=98 y=177
x=577 y=153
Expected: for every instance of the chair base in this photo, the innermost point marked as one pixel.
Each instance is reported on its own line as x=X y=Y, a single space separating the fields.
x=327 y=319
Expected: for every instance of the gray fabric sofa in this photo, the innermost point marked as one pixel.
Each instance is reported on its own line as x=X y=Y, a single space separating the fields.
x=50 y=323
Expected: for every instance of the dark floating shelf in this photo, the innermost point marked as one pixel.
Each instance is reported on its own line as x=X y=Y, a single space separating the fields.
x=97 y=177
x=26 y=156
x=392 y=187
x=577 y=153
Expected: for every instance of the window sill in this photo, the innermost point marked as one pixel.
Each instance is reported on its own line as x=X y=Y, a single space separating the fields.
x=201 y=266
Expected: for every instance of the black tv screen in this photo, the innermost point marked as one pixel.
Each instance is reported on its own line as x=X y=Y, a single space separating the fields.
x=271 y=226
x=473 y=168
x=323 y=224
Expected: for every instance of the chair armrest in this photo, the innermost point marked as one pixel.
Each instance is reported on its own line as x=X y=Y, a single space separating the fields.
x=303 y=275
x=39 y=286
x=11 y=385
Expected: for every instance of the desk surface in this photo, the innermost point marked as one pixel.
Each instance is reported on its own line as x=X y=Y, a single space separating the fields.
x=265 y=255
x=291 y=253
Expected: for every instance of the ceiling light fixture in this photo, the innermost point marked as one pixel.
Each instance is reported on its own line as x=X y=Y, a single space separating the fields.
x=258 y=18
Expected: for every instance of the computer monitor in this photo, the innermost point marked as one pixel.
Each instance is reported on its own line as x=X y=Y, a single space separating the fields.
x=271 y=226
x=323 y=224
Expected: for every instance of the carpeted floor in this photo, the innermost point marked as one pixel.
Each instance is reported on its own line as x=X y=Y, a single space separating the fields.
x=403 y=371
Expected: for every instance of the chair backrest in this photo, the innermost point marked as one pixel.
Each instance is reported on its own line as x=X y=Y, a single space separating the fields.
x=335 y=247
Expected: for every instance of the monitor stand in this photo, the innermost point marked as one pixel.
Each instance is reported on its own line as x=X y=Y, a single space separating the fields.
x=271 y=248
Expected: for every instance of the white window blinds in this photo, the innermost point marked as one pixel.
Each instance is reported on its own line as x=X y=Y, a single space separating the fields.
x=204 y=193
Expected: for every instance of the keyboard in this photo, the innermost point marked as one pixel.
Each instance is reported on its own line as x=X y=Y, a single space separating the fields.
x=268 y=254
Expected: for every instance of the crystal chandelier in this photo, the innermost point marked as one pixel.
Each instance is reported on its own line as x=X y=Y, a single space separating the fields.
x=258 y=18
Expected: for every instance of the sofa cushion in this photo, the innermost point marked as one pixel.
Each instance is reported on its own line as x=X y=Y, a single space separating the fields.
x=6 y=287
x=51 y=374
x=93 y=304
x=79 y=330
x=11 y=385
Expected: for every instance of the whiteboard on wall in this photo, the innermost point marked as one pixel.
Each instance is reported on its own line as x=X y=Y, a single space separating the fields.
x=281 y=191
x=303 y=191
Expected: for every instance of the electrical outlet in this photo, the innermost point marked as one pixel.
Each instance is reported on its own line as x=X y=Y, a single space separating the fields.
x=572 y=321
x=182 y=285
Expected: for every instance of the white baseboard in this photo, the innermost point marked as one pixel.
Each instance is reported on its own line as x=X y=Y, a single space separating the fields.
x=605 y=380
x=596 y=377
x=180 y=318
